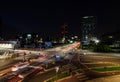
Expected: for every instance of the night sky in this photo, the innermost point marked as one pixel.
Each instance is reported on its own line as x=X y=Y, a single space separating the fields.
x=47 y=16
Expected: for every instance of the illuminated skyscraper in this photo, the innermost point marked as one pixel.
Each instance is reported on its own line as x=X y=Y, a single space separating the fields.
x=88 y=29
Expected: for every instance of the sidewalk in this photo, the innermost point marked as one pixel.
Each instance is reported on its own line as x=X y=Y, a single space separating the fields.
x=115 y=78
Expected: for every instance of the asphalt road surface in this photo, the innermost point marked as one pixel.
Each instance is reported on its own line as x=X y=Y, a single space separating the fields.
x=42 y=77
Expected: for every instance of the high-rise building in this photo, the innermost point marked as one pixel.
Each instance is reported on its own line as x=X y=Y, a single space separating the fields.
x=88 y=29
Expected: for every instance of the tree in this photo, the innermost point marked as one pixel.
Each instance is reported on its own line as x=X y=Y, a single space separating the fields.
x=102 y=48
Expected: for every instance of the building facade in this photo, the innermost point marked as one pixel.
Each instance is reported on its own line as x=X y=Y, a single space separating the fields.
x=88 y=29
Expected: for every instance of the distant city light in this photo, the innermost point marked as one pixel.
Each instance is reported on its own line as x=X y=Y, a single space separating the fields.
x=97 y=41
x=110 y=36
x=76 y=36
x=36 y=35
x=5 y=46
x=72 y=37
x=20 y=37
x=29 y=36
x=87 y=17
x=86 y=37
x=71 y=41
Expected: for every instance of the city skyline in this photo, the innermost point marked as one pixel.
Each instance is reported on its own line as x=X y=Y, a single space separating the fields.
x=59 y=41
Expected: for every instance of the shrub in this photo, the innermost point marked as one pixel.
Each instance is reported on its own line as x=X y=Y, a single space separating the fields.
x=102 y=48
